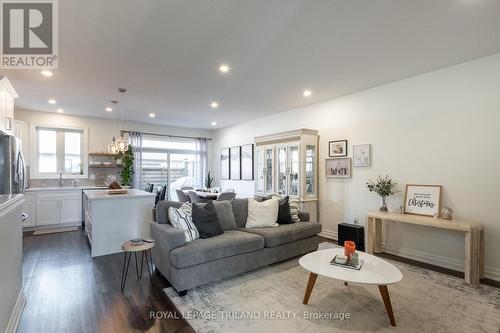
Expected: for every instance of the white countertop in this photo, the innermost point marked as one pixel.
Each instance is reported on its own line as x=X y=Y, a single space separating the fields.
x=7 y=199
x=103 y=194
x=65 y=188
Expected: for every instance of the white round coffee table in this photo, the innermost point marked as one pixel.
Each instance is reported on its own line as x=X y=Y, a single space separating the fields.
x=375 y=271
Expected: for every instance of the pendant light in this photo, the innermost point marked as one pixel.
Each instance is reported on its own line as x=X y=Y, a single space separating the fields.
x=121 y=143
x=112 y=149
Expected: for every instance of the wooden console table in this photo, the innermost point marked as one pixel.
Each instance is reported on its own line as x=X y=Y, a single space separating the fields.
x=474 y=238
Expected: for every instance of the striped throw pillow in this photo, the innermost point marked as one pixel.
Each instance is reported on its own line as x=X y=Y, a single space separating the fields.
x=181 y=218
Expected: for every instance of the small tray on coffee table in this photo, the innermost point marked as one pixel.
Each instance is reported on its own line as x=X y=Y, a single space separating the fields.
x=347 y=265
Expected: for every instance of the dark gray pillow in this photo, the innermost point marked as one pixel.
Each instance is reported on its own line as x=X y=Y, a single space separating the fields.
x=240 y=211
x=162 y=210
x=225 y=214
x=206 y=221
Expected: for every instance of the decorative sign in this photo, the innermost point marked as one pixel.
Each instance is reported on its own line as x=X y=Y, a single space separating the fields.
x=235 y=163
x=338 y=167
x=361 y=155
x=422 y=199
x=247 y=162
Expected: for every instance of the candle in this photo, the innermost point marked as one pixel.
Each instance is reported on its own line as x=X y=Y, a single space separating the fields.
x=349 y=248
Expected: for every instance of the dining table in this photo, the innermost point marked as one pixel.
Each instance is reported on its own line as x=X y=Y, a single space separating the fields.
x=204 y=195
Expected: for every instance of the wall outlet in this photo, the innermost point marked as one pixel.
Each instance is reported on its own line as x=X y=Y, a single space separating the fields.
x=356 y=220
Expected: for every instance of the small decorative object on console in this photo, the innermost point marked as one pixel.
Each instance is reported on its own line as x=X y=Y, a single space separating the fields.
x=447 y=213
x=355 y=259
x=341 y=260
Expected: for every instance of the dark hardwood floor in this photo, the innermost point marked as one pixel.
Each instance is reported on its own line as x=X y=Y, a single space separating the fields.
x=68 y=291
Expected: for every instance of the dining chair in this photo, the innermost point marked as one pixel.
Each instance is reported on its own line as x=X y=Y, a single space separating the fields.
x=187 y=188
x=226 y=196
x=181 y=196
x=149 y=187
x=195 y=198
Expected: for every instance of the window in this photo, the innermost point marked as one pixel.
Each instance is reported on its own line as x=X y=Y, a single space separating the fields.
x=171 y=162
x=60 y=150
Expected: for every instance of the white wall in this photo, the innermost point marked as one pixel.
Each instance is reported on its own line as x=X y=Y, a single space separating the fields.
x=439 y=128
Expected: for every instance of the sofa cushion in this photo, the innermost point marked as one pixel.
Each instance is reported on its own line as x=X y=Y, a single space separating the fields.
x=228 y=244
x=162 y=210
x=225 y=214
x=262 y=214
x=181 y=219
x=240 y=210
x=206 y=220
x=286 y=233
x=284 y=216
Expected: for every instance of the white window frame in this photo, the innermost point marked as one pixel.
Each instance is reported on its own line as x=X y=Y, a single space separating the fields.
x=34 y=174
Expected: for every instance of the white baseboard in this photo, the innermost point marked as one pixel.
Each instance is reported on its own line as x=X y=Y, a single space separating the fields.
x=15 y=316
x=492 y=273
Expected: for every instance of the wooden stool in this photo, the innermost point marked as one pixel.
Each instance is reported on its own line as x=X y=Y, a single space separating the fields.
x=145 y=248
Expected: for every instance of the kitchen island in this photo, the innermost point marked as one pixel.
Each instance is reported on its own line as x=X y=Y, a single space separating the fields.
x=111 y=219
x=12 y=297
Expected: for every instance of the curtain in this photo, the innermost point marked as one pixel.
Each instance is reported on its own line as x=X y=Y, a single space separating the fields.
x=136 y=143
x=201 y=162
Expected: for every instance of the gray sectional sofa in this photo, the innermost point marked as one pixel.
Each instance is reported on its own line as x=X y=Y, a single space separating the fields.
x=187 y=265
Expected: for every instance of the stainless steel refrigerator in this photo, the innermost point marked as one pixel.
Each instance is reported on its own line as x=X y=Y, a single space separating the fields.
x=12 y=166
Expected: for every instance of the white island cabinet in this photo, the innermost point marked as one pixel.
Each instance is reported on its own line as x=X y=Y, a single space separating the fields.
x=111 y=219
x=12 y=297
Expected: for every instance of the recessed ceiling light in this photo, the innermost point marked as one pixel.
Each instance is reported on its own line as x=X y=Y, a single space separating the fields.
x=108 y=109
x=307 y=93
x=47 y=73
x=224 y=68
x=60 y=111
x=152 y=115
x=214 y=105
x=213 y=123
x=52 y=101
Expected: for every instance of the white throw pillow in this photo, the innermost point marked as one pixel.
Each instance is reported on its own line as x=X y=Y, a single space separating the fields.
x=262 y=214
x=182 y=219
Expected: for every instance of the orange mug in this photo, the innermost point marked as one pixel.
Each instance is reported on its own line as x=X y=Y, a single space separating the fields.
x=349 y=248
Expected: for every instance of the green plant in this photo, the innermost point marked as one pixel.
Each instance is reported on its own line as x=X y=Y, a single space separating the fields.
x=209 y=181
x=127 y=173
x=383 y=187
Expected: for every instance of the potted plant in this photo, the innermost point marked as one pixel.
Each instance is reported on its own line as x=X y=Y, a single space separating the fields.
x=383 y=187
x=127 y=160
x=209 y=181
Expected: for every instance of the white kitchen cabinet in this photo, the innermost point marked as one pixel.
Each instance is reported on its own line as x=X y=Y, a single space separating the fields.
x=53 y=207
x=71 y=208
x=29 y=209
x=7 y=96
x=48 y=209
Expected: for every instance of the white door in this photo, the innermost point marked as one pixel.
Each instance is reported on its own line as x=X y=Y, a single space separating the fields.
x=48 y=209
x=29 y=209
x=71 y=208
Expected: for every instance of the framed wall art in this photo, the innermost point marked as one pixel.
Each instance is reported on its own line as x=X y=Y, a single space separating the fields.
x=235 y=163
x=422 y=199
x=361 y=155
x=247 y=162
x=224 y=163
x=337 y=148
x=338 y=167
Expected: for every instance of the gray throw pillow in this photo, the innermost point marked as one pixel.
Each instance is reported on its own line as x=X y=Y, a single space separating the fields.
x=162 y=210
x=240 y=211
x=225 y=214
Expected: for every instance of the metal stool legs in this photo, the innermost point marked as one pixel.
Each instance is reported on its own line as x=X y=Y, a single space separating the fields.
x=126 y=264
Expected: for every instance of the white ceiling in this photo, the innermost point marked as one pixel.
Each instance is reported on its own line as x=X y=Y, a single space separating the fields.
x=167 y=53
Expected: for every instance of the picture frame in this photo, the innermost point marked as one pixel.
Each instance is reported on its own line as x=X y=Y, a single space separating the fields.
x=361 y=155
x=337 y=148
x=247 y=162
x=224 y=164
x=422 y=200
x=235 y=163
x=338 y=167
